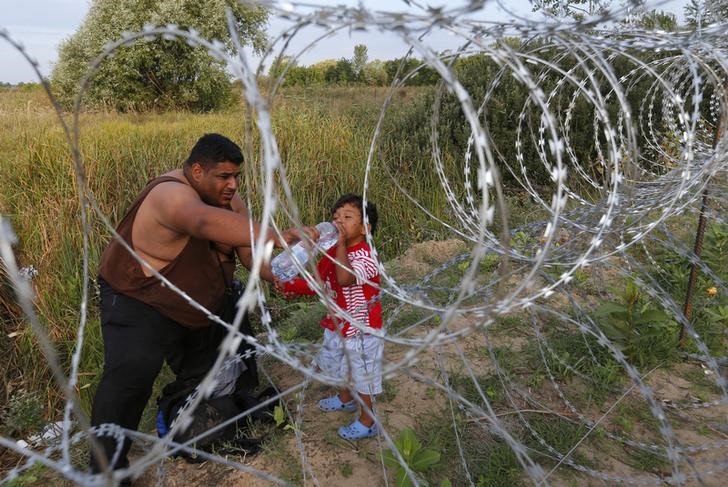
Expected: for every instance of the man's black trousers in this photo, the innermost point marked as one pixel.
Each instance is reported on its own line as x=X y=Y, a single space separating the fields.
x=137 y=341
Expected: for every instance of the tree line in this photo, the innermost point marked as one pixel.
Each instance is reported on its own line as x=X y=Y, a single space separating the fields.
x=355 y=71
x=171 y=74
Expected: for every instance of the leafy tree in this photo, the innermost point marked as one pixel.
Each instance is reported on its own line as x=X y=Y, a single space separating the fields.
x=692 y=11
x=301 y=75
x=281 y=64
x=340 y=73
x=359 y=60
x=374 y=73
x=423 y=75
x=659 y=20
x=158 y=73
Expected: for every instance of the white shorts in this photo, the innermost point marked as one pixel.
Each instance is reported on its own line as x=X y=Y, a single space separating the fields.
x=363 y=352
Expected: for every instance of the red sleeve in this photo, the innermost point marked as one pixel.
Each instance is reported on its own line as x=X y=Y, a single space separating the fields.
x=298 y=286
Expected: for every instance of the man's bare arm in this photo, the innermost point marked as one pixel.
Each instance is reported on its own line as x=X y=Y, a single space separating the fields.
x=245 y=254
x=179 y=208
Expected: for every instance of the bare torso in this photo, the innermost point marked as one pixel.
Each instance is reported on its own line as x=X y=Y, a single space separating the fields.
x=157 y=243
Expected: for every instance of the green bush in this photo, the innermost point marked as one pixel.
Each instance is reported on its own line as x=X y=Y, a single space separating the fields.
x=23 y=414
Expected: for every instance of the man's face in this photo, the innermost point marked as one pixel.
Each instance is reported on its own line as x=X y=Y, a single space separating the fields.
x=218 y=183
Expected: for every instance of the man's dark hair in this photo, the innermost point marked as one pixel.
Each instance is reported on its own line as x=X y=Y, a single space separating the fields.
x=358 y=202
x=212 y=149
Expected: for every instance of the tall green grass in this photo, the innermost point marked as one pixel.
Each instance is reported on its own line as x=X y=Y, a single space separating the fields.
x=323 y=136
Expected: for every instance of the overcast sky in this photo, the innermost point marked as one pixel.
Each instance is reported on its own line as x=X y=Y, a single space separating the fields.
x=40 y=25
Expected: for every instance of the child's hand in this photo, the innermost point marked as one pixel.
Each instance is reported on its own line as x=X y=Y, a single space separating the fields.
x=280 y=287
x=341 y=237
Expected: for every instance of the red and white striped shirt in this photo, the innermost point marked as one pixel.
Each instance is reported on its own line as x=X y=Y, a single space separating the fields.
x=360 y=300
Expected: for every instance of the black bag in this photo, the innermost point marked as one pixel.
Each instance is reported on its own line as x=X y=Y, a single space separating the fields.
x=212 y=412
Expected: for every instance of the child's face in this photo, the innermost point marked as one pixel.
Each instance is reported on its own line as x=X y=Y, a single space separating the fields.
x=349 y=218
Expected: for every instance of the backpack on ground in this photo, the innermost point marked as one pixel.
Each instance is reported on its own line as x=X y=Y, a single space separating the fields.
x=213 y=412
x=235 y=394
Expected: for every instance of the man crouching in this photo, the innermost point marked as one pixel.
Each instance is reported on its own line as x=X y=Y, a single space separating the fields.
x=187 y=224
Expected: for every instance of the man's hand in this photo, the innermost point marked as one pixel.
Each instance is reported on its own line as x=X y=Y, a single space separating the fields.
x=293 y=235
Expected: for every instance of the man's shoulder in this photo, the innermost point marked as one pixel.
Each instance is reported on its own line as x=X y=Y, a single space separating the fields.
x=174 y=177
x=169 y=201
x=172 y=185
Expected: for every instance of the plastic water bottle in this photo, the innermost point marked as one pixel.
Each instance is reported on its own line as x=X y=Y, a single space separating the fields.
x=283 y=266
x=328 y=235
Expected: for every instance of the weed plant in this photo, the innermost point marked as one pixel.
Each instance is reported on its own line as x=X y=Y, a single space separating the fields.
x=490 y=460
x=645 y=333
x=490 y=385
x=23 y=414
x=302 y=324
x=709 y=302
x=575 y=360
x=419 y=458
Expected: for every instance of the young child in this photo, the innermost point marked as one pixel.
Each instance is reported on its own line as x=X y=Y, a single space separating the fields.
x=352 y=281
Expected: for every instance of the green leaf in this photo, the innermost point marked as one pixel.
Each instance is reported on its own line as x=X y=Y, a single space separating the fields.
x=424 y=459
x=612 y=332
x=408 y=444
x=390 y=460
x=631 y=293
x=445 y=483
x=279 y=415
x=401 y=479
x=652 y=315
x=609 y=308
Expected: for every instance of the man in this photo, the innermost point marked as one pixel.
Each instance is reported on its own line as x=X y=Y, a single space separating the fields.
x=185 y=225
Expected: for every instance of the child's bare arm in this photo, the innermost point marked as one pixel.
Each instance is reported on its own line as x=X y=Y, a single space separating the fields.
x=291 y=289
x=345 y=275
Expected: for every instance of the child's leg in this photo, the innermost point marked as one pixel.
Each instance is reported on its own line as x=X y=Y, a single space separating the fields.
x=331 y=355
x=365 y=418
x=345 y=395
x=365 y=355
x=366 y=362
x=330 y=360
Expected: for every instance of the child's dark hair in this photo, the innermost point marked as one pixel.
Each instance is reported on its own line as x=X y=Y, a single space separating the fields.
x=357 y=201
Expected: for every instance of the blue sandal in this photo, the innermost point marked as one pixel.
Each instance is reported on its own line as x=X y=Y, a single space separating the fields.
x=357 y=431
x=333 y=403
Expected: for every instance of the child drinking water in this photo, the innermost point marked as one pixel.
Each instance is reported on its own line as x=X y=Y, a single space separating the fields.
x=350 y=275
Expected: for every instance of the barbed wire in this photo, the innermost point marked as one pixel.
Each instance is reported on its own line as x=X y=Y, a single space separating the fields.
x=652 y=159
